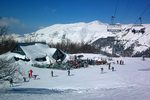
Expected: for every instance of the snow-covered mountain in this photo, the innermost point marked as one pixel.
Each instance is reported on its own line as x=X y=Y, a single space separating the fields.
x=90 y=32
x=76 y=32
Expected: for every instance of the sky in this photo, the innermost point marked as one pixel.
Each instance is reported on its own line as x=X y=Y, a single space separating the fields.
x=26 y=16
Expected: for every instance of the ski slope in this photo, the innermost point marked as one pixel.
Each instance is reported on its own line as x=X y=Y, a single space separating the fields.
x=128 y=82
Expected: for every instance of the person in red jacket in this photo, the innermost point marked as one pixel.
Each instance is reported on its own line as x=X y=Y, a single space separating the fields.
x=30 y=73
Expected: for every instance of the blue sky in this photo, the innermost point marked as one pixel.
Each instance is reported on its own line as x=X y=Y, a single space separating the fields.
x=24 y=16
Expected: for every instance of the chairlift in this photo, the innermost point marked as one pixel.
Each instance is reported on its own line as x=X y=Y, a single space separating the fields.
x=114 y=28
x=138 y=28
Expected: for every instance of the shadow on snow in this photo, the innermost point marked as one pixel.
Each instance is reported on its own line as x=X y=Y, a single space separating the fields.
x=148 y=69
x=33 y=91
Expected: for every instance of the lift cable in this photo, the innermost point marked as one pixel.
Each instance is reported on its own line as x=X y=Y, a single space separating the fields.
x=115 y=12
x=140 y=17
x=116 y=8
x=142 y=14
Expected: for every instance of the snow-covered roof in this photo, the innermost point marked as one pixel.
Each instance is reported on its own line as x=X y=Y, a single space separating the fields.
x=38 y=50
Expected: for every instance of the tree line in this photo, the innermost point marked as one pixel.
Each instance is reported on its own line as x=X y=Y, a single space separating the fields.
x=71 y=47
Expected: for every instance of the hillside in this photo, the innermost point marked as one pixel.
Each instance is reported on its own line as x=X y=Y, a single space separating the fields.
x=91 y=32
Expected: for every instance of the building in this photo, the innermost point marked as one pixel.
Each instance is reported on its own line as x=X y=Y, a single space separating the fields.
x=38 y=52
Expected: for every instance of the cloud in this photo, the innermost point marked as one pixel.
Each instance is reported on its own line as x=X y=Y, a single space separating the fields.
x=41 y=27
x=9 y=21
x=14 y=25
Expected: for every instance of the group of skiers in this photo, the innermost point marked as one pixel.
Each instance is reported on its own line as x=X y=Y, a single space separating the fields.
x=109 y=68
x=121 y=62
x=68 y=73
x=30 y=75
x=30 y=72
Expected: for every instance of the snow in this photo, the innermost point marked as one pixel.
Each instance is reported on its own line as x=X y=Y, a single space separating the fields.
x=38 y=50
x=85 y=75
x=55 y=33
x=88 y=33
x=129 y=81
x=108 y=49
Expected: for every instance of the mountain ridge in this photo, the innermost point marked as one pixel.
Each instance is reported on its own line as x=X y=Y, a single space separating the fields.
x=90 y=32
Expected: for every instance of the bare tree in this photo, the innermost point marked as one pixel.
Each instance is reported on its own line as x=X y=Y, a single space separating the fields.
x=3 y=33
x=3 y=30
x=7 y=68
x=7 y=42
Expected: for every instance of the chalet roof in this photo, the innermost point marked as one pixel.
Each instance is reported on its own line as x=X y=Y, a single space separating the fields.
x=39 y=50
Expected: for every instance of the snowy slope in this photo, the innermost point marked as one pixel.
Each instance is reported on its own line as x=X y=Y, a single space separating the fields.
x=135 y=72
x=88 y=33
x=128 y=82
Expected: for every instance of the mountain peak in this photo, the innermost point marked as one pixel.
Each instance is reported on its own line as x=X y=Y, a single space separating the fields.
x=95 y=22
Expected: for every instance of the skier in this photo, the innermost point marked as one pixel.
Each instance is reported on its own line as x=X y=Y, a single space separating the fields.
x=143 y=57
x=24 y=79
x=117 y=62
x=109 y=65
x=52 y=73
x=102 y=70
x=68 y=72
x=30 y=73
x=11 y=82
x=112 y=68
x=120 y=62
